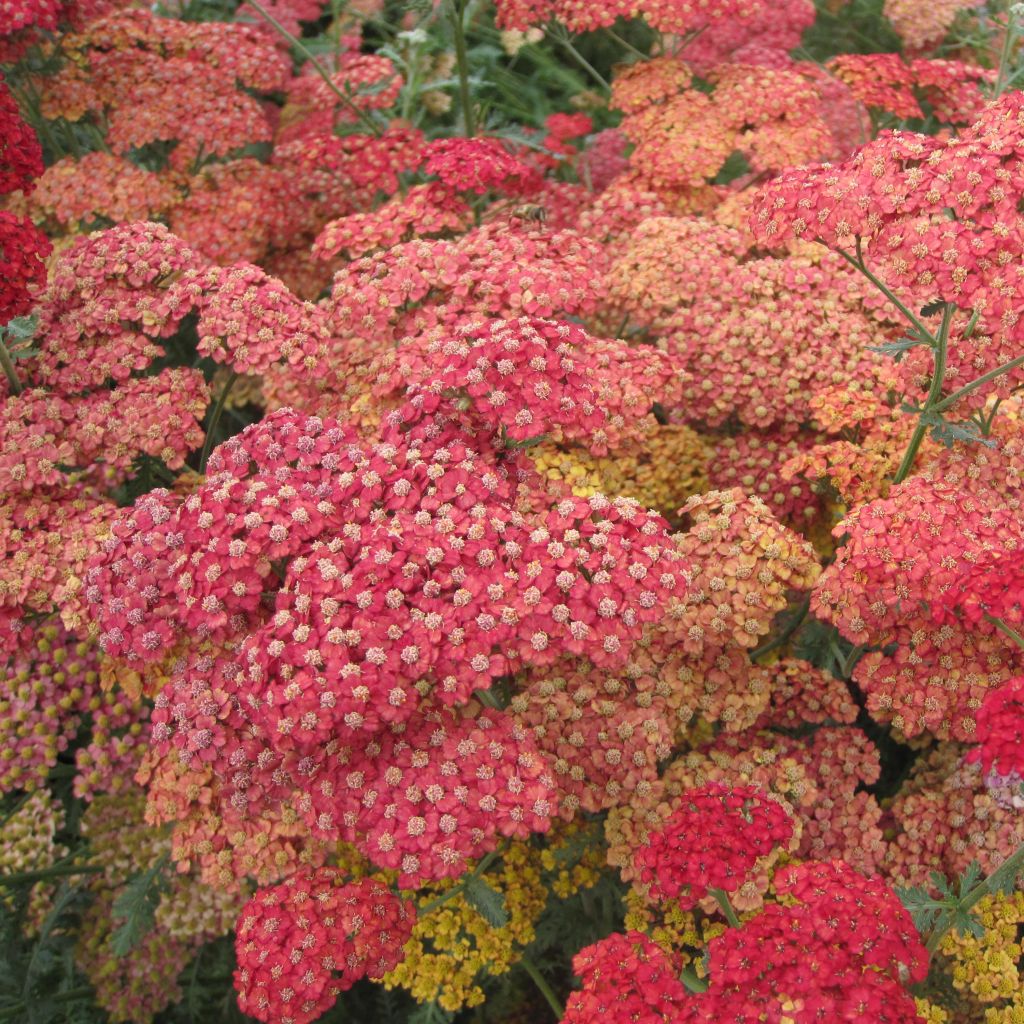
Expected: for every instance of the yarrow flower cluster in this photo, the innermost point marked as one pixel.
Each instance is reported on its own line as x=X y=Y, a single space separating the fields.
x=713 y=838
x=302 y=943
x=410 y=516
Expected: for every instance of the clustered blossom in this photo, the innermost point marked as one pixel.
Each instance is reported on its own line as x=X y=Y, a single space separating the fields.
x=44 y=693
x=766 y=36
x=21 y=156
x=502 y=270
x=761 y=349
x=216 y=218
x=302 y=943
x=546 y=523
x=23 y=252
x=100 y=185
x=424 y=211
x=755 y=464
x=921 y=24
x=454 y=948
x=885 y=82
x=537 y=377
x=157 y=79
x=603 y=734
x=630 y=977
x=1000 y=721
x=745 y=561
x=250 y=320
x=683 y=135
x=478 y=165
x=676 y=17
x=108 y=303
x=713 y=838
x=839 y=951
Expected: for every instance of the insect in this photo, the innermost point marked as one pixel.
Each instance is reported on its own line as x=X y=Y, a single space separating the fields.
x=531 y=211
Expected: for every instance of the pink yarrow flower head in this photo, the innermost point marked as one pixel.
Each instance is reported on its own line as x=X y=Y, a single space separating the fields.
x=304 y=942
x=479 y=165
x=426 y=798
x=250 y=320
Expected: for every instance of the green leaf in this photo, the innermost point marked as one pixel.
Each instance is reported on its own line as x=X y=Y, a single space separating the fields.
x=923 y=908
x=933 y=308
x=136 y=904
x=897 y=349
x=21 y=328
x=487 y=902
x=948 y=434
x=430 y=1013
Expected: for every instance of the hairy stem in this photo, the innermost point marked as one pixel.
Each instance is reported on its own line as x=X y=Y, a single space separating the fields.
x=626 y=44
x=543 y=987
x=934 y=394
x=215 y=416
x=462 y=62
x=1002 y=77
x=43 y=874
x=692 y=982
x=15 y=1011
x=798 y=620
x=975 y=384
x=360 y=114
x=722 y=899
x=481 y=867
x=1006 y=630
x=566 y=42
x=9 y=371
x=858 y=261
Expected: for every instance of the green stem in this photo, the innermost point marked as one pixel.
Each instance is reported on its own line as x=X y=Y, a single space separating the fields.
x=1004 y=56
x=1006 y=630
x=627 y=45
x=849 y=663
x=462 y=61
x=218 y=409
x=9 y=371
x=563 y=38
x=488 y=698
x=798 y=619
x=15 y=1011
x=722 y=899
x=692 y=982
x=1003 y=876
x=481 y=867
x=931 y=403
x=360 y=114
x=858 y=261
x=980 y=382
x=43 y=874
x=543 y=987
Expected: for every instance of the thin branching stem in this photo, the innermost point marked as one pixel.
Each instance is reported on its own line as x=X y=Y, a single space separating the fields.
x=301 y=47
x=543 y=987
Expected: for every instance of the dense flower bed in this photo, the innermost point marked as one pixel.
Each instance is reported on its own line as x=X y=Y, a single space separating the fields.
x=511 y=511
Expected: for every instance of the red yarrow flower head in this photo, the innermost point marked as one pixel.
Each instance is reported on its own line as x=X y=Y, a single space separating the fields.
x=1001 y=730
x=628 y=978
x=712 y=841
x=23 y=252
x=21 y=156
x=304 y=942
x=841 y=952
